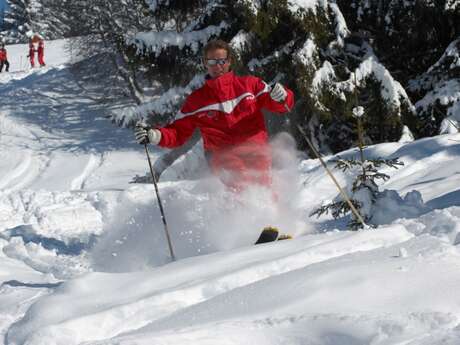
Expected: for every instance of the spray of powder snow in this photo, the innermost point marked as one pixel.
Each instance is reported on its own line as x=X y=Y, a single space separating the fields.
x=203 y=216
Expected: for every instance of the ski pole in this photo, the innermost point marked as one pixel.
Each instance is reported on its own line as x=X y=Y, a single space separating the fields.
x=163 y=218
x=453 y=124
x=329 y=172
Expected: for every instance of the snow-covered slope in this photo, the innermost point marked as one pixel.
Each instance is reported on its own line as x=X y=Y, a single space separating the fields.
x=83 y=257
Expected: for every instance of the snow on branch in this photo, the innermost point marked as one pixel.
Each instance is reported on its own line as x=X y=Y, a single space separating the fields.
x=308 y=5
x=308 y=53
x=156 y=41
x=452 y=54
x=168 y=102
x=241 y=41
x=253 y=6
x=324 y=75
x=341 y=28
x=446 y=93
x=255 y=63
x=391 y=90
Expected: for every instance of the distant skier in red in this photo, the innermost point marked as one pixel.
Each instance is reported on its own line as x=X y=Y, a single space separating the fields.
x=3 y=58
x=36 y=39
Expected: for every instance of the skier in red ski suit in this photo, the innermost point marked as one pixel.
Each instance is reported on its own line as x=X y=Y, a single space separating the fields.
x=4 y=58
x=227 y=111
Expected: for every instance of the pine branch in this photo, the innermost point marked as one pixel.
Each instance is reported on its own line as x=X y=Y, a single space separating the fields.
x=337 y=209
x=345 y=164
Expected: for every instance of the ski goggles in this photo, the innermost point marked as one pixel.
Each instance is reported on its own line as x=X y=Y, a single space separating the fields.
x=215 y=62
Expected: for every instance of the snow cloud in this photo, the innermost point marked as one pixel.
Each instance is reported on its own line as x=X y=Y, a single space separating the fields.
x=203 y=216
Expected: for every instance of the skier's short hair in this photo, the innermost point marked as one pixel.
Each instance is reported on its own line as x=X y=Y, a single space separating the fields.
x=218 y=44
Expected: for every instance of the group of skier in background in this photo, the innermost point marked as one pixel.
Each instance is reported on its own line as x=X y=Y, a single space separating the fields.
x=36 y=45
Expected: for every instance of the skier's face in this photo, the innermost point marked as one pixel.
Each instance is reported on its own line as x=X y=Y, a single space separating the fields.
x=217 y=62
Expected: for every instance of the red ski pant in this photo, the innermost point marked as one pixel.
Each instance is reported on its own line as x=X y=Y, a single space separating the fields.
x=32 y=57
x=244 y=165
x=41 y=55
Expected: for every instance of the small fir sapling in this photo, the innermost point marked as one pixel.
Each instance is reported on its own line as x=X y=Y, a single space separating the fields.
x=364 y=190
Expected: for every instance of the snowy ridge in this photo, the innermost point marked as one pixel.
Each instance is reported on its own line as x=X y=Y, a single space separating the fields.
x=181 y=295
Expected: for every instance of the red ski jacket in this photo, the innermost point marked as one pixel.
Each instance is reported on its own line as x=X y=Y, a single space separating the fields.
x=227 y=111
x=3 y=55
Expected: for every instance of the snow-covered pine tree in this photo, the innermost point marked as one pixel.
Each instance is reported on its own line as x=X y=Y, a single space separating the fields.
x=23 y=16
x=17 y=21
x=309 y=47
x=333 y=89
x=439 y=92
x=287 y=41
x=51 y=24
x=329 y=91
x=71 y=15
x=409 y=37
x=2 y=15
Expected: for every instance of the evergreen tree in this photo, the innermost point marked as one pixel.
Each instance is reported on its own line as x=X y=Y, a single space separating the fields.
x=35 y=16
x=438 y=88
x=17 y=21
x=2 y=15
x=49 y=23
x=409 y=37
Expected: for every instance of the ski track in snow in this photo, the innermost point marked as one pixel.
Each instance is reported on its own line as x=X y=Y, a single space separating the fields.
x=14 y=304
x=93 y=164
x=16 y=173
x=24 y=174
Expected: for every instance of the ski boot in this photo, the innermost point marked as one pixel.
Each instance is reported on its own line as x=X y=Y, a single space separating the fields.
x=268 y=234
x=271 y=234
